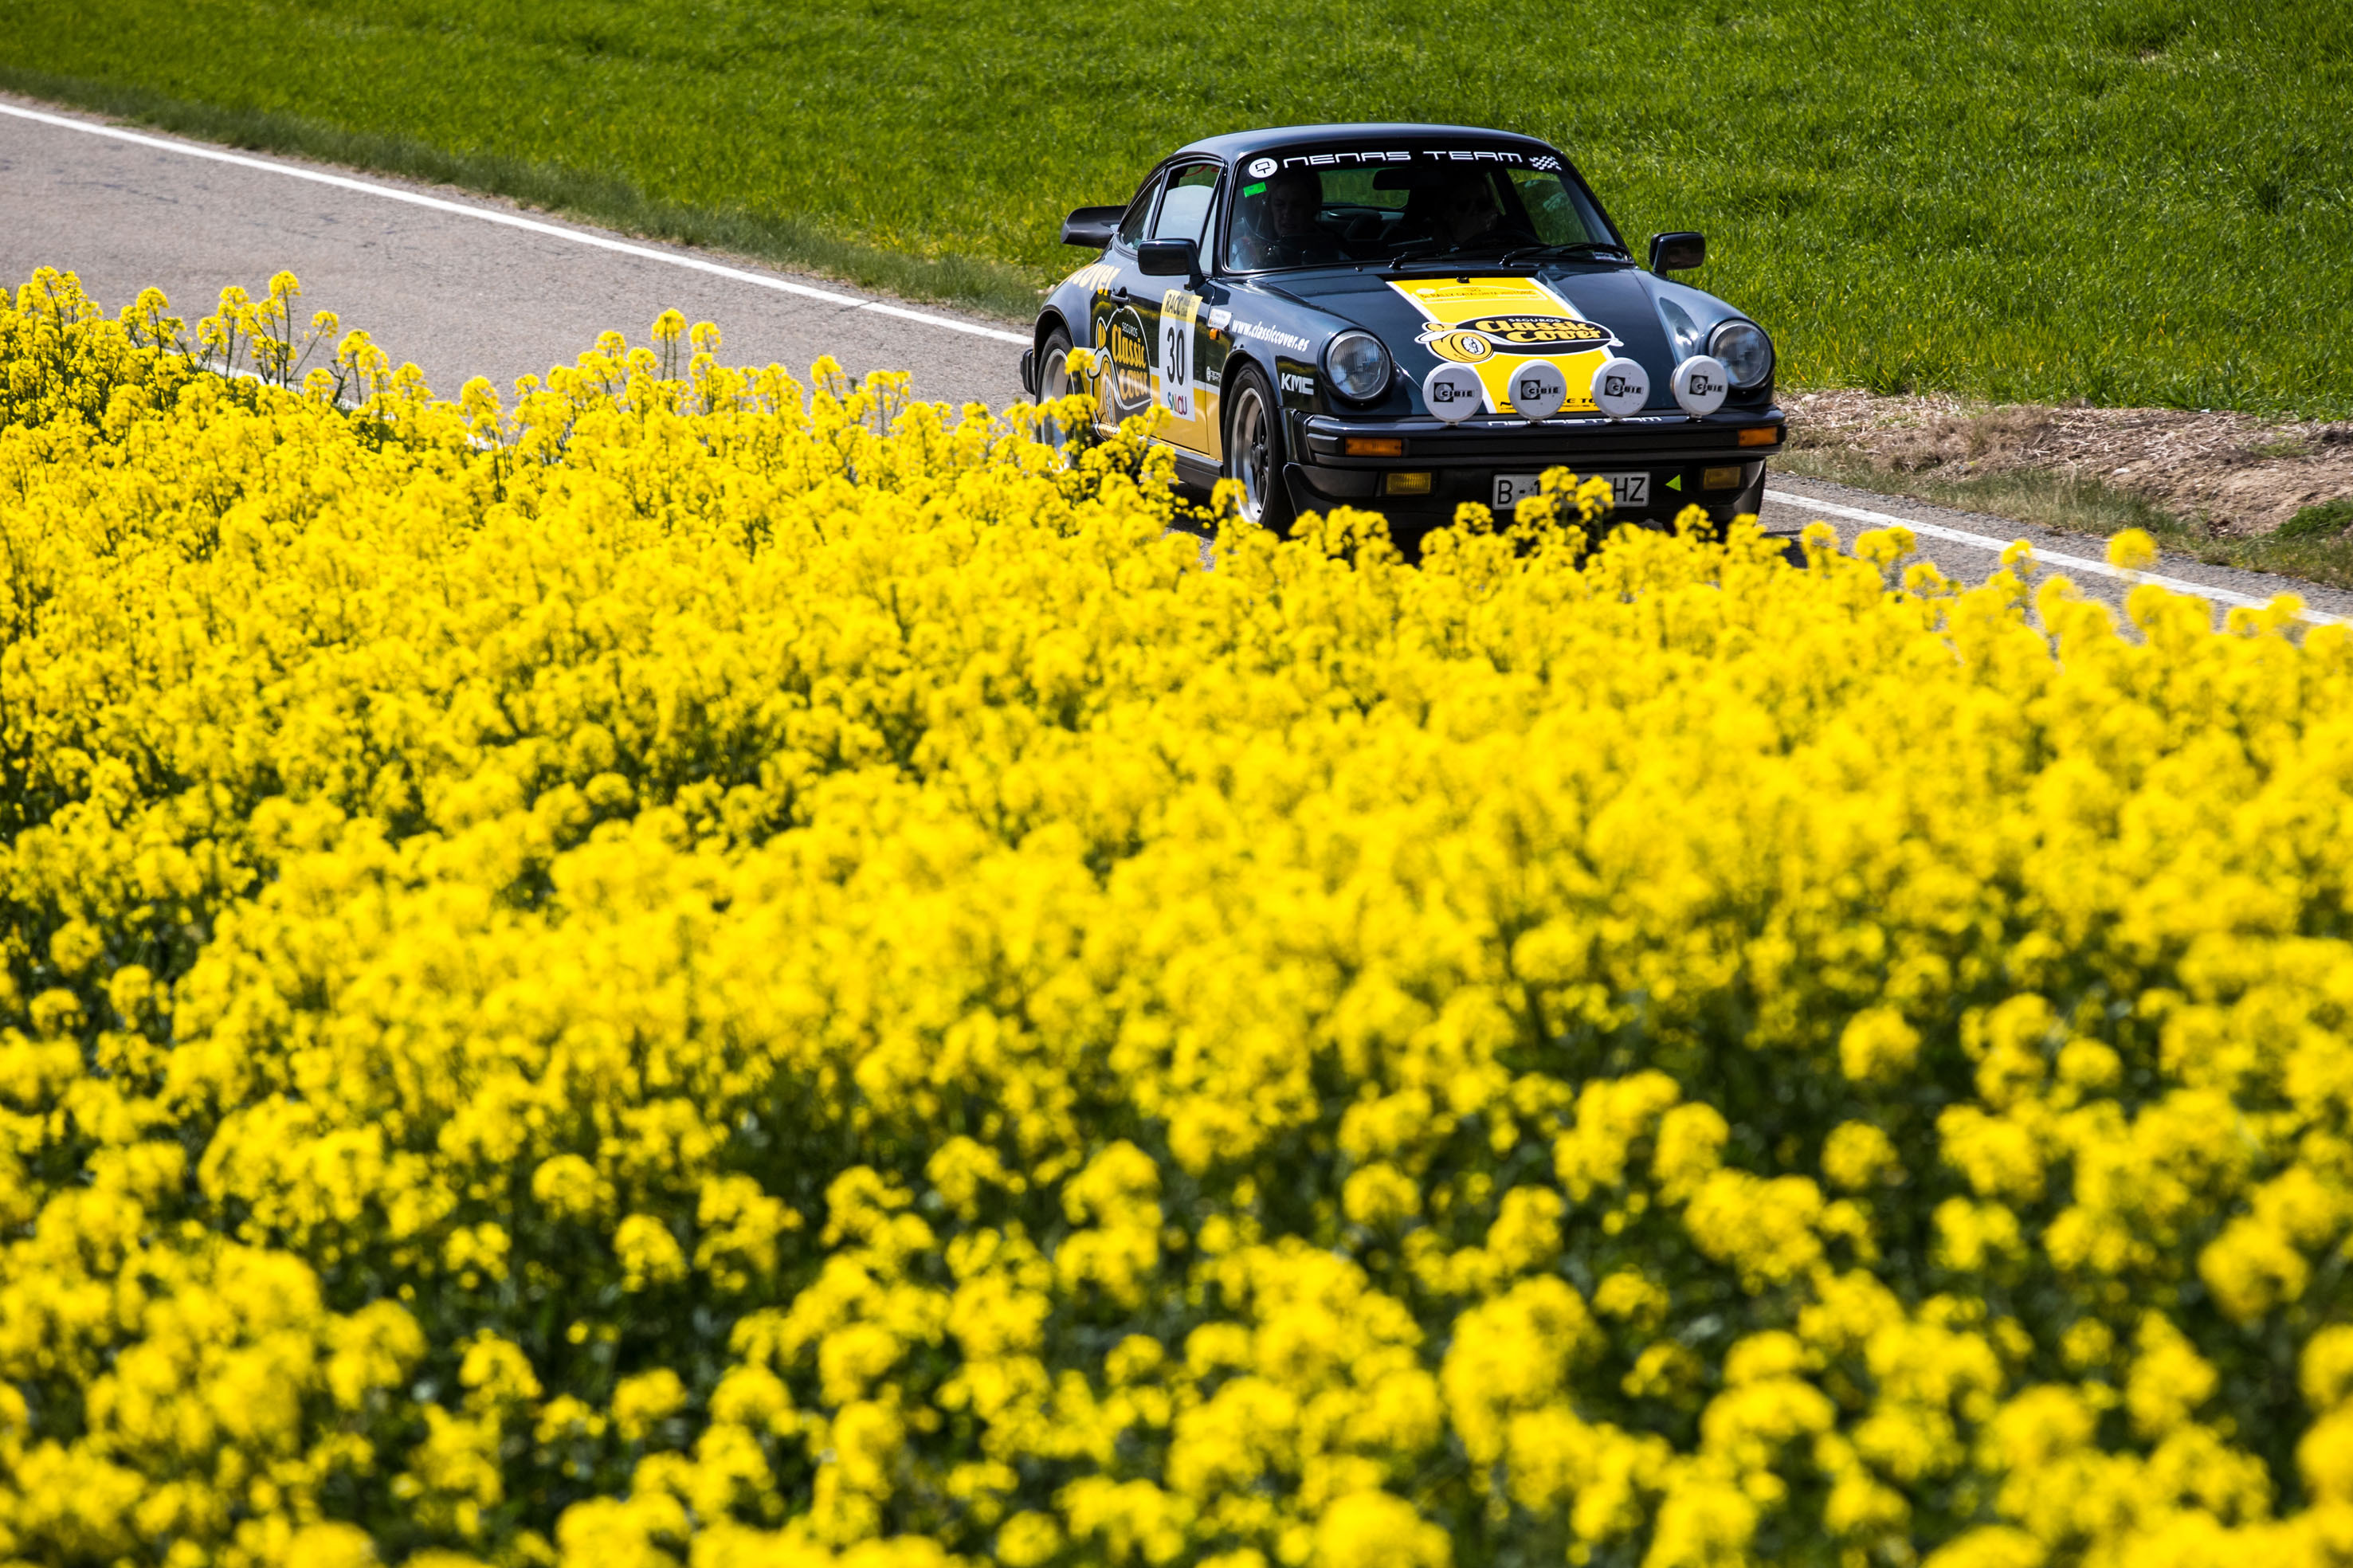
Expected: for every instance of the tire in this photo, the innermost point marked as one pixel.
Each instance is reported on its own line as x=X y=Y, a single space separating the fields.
x=1054 y=380
x=1054 y=366
x=1752 y=499
x=1254 y=454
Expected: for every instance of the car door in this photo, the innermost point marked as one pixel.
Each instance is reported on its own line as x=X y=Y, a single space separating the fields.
x=1175 y=314
x=1121 y=330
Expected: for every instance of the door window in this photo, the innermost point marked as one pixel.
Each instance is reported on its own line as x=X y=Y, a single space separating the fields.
x=1139 y=213
x=1185 y=210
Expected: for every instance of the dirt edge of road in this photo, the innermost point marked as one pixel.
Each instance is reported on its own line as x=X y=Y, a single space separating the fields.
x=2226 y=488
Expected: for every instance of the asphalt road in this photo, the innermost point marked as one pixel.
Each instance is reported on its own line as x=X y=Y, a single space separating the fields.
x=466 y=285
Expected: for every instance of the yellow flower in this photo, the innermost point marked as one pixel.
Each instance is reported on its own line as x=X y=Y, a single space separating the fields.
x=649 y=1254
x=1858 y=1155
x=1373 y=1529
x=2132 y=549
x=698 y=965
x=641 y=1401
x=1877 y=1044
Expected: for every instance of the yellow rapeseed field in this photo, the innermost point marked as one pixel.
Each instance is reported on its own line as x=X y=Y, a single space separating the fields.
x=698 y=969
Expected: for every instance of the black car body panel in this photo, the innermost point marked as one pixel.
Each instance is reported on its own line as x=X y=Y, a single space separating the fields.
x=1175 y=344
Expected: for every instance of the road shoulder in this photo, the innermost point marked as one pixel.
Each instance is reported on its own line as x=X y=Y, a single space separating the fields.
x=1973 y=563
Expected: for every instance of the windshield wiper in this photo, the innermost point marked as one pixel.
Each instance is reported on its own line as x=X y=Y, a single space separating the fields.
x=1576 y=248
x=1462 y=253
x=1420 y=249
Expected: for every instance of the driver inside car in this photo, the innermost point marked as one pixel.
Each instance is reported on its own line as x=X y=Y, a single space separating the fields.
x=1466 y=212
x=1459 y=215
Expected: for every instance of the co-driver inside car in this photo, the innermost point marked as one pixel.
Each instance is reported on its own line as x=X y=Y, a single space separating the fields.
x=1294 y=200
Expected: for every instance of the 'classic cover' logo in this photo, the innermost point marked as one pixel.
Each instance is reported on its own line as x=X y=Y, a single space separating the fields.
x=1468 y=343
x=1131 y=362
x=1533 y=329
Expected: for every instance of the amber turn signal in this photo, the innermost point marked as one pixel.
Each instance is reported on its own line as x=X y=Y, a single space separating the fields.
x=1374 y=445
x=1759 y=436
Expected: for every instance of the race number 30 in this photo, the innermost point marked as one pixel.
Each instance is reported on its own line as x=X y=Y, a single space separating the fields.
x=1177 y=364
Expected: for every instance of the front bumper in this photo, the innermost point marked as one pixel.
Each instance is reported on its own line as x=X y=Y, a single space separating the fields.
x=1716 y=463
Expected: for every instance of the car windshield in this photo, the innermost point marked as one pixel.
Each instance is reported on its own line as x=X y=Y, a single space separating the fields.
x=1326 y=206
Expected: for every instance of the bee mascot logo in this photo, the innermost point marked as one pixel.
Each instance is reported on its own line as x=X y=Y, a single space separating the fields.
x=1446 y=342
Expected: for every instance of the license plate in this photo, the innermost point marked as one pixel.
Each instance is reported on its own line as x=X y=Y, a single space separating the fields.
x=1625 y=490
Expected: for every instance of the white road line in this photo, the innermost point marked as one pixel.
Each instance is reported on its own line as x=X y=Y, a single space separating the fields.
x=851 y=302
x=393 y=193
x=2050 y=558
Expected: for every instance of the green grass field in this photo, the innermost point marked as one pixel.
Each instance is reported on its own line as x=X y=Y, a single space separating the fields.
x=2134 y=202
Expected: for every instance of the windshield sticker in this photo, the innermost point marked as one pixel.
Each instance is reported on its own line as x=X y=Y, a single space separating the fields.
x=1497 y=324
x=1390 y=158
x=1252 y=330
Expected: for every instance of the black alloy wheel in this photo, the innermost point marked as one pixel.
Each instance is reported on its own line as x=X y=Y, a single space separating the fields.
x=1254 y=449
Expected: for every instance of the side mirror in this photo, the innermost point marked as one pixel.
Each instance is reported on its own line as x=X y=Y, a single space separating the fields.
x=1169 y=259
x=1092 y=226
x=1677 y=252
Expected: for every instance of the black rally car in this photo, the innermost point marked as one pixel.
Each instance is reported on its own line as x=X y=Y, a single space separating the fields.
x=1405 y=318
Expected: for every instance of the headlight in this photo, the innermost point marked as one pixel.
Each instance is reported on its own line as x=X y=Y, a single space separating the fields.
x=1357 y=364
x=1745 y=350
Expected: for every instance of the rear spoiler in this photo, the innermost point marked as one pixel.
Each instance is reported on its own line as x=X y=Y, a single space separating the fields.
x=1092 y=226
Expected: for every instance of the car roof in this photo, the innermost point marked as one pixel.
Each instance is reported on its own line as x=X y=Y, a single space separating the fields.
x=1234 y=144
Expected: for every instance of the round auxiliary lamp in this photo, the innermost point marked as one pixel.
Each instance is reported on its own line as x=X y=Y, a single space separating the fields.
x=1701 y=385
x=1620 y=387
x=1452 y=392
x=1537 y=389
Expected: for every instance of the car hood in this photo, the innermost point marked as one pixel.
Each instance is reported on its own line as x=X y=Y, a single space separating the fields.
x=1622 y=306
